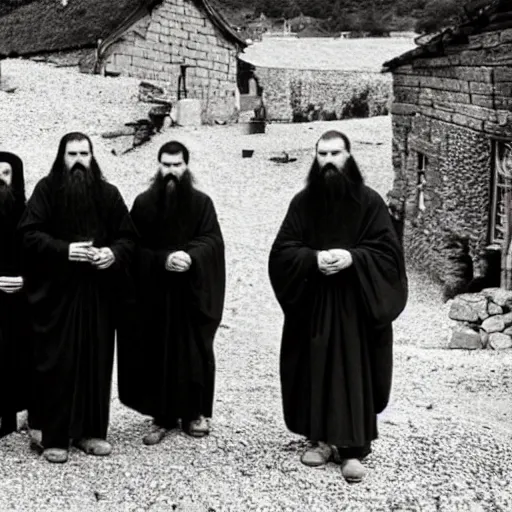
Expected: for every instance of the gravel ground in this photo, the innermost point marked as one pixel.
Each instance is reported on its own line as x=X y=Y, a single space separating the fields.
x=446 y=438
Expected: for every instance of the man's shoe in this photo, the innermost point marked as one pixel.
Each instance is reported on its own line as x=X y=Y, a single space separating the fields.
x=318 y=454
x=56 y=455
x=36 y=440
x=94 y=446
x=352 y=470
x=199 y=427
x=155 y=435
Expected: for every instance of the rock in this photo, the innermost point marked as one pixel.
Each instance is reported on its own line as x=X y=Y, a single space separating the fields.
x=494 y=324
x=507 y=319
x=469 y=307
x=465 y=337
x=494 y=309
x=499 y=296
x=500 y=341
x=484 y=338
x=508 y=331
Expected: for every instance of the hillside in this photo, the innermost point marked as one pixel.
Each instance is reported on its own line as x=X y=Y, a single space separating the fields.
x=375 y=16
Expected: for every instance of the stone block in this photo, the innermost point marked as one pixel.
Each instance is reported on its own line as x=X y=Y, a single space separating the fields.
x=494 y=309
x=446 y=84
x=481 y=88
x=499 y=296
x=468 y=122
x=152 y=36
x=493 y=324
x=468 y=307
x=472 y=74
x=179 y=33
x=464 y=337
x=201 y=72
x=503 y=74
x=506 y=35
x=473 y=58
x=404 y=109
x=500 y=341
x=482 y=100
x=450 y=97
x=407 y=80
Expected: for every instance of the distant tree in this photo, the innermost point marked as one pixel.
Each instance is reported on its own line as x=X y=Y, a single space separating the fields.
x=439 y=14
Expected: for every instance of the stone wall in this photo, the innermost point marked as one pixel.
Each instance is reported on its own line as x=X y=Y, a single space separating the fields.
x=482 y=320
x=450 y=108
x=175 y=33
x=294 y=93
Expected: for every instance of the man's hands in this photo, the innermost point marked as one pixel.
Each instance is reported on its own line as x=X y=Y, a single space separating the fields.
x=332 y=261
x=79 y=251
x=11 y=284
x=178 y=261
x=99 y=257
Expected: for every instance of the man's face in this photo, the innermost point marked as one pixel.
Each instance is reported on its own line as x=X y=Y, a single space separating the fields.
x=6 y=173
x=77 y=151
x=172 y=164
x=332 y=151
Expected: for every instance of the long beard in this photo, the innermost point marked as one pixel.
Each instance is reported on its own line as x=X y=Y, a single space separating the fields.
x=173 y=197
x=79 y=201
x=7 y=200
x=327 y=189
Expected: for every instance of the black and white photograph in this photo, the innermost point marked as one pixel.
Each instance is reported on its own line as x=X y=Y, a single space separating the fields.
x=256 y=255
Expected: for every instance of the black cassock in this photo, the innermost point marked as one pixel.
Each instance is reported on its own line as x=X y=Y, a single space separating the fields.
x=15 y=342
x=166 y=364
x=336 y=352
x=75 y=309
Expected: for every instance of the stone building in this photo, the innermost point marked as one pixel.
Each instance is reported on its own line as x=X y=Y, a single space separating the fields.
x=452 y=148
x=148 y=39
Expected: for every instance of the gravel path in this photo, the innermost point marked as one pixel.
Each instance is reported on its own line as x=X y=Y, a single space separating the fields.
x=446 y=438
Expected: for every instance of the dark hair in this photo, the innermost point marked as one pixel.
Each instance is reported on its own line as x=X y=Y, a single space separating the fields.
x=58 y=164
x=334 y=134
x=173 y=148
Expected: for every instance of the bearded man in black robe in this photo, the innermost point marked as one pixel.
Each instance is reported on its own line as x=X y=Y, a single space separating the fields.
x=338 y=273
x=78 y=238
x=180 y=276
x=14 y=323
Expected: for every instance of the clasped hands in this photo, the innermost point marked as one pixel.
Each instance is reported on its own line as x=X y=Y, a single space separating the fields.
x=178 y=261
x=100 y=257
x=10 y=284
x=333 y=260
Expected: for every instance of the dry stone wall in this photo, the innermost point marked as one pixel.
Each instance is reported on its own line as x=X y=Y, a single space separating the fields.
x=449 y=108
x=482 y=320
x=177 y=32
x=298 y=94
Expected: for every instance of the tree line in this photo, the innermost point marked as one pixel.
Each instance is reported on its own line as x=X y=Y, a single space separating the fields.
x=372 y=16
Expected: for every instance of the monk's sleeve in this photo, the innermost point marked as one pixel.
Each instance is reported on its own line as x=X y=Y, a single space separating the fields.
x=379 y=264
x=291 y=261
x=37 y=243
x=208 y=270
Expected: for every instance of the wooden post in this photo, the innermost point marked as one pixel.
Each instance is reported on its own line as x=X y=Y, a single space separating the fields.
x=506 y=255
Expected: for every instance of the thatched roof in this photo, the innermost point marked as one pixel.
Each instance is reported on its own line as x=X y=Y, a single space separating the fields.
x=49 y=26
x=483 y=16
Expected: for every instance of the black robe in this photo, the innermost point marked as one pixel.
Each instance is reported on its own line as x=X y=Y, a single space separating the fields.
x=75 y=309
x=15 y=341
x=166 y=364
x=336 y=352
